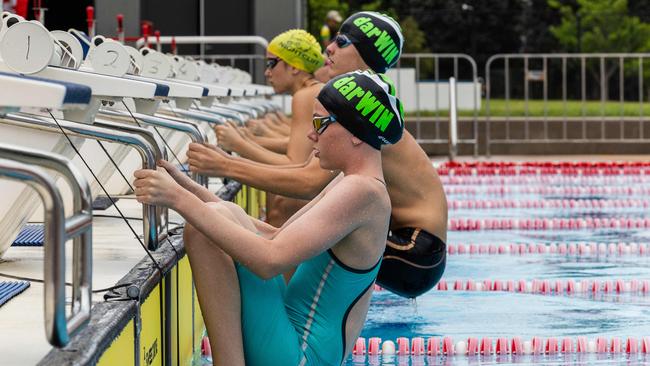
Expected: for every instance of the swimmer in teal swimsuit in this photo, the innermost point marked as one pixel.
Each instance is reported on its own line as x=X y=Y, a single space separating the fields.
x=336 y=241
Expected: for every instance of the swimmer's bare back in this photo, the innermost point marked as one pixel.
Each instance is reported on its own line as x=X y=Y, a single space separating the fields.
x=416 y=192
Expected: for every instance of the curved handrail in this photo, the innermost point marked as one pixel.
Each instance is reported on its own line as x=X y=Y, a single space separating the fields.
x=258 y=40
x=224 y=112
x=23 y=164
x=199 y=115
x=150 y=154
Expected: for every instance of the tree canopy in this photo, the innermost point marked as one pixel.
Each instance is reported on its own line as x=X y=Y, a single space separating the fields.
x=600 y=26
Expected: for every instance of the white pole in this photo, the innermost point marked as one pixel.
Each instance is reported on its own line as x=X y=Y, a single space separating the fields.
x=453 y=120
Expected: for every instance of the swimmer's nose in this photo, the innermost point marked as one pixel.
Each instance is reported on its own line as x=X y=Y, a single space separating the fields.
x=330 y=49
x=312 y=135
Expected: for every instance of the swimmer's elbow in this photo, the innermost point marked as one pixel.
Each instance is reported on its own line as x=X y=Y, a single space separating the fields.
x=271 y=267
x=308 y=191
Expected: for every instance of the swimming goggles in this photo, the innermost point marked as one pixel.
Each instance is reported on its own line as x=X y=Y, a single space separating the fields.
x=342 y=40
x=271 y=62
x=321 y=123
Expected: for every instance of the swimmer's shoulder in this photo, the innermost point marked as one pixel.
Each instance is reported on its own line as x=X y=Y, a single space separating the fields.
x=369 y=190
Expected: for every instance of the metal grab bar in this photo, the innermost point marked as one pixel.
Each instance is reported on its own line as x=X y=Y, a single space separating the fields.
x=20 y=164
x=258 y=40
x=149 y=153
x=160 y=212
x=247 y=111
x=193 y=131
x=198 y=115
x=453 y=120
x=225 y=113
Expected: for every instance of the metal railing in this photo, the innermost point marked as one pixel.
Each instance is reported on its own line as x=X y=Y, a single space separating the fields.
x=563 y=79
x=154 y=218
x=25 y=165
x=437 y=69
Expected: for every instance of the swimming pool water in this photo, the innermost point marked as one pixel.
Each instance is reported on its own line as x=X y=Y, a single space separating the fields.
x=463 y=314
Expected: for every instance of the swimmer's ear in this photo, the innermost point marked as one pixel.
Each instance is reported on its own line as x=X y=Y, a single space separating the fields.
x=355 y=141
x=294 y=71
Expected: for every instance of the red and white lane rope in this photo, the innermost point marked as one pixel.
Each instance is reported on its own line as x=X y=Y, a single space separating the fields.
x=545 y=164
x=549 y=287
x=544 y=168
x=619 y=223
x=551 y=203
x=436 y=346
x=548 y=190
x=545 y=180
x=570 y=249
x=541 y=171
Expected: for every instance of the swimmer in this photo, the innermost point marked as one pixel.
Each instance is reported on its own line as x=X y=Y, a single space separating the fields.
x=252 y=316
x=291 y=59
x=415 y=256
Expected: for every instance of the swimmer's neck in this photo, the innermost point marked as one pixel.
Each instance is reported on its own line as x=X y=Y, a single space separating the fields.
x=369 y=165
x=302 y=81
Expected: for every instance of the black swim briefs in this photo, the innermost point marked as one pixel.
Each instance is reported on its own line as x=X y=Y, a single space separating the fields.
x=414 y=261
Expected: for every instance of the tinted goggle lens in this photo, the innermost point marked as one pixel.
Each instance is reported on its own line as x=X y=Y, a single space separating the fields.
x=342 y=40
x=321 y=123
x=271 y=62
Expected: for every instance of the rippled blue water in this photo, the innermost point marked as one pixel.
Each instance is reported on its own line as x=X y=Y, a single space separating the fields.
x=461 y=314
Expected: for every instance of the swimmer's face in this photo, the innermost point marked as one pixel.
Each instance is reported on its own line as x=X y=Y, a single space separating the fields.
x=341 y=60
x=277 y=73
x=329 y=145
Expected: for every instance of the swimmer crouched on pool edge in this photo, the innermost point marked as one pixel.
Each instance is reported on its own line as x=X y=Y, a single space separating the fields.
x=336 y=241
x=415 y=256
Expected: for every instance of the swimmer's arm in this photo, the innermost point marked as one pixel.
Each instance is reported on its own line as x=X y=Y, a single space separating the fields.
x=302 y=105
x=337 y=214
x=252 y=151
x=279 y=127
x=258 y=164
x=282 y=118
x=303 y=182
x=275 y=144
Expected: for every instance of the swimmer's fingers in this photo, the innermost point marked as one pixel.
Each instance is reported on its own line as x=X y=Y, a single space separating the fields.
x=169 y=167
x=143 y=173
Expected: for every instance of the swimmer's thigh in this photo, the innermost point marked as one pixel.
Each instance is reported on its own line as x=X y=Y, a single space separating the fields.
x=269 y=336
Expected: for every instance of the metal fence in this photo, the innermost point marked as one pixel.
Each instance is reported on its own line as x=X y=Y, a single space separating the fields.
x=568 y=98
x=428 y=95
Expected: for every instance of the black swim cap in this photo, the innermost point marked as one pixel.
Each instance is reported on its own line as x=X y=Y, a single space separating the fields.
x=365 y=104
x=377 y=37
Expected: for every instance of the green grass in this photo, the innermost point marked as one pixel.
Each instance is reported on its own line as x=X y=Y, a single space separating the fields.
x=553 y=108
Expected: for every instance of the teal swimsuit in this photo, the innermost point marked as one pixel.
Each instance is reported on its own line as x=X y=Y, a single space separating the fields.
x=302 y=323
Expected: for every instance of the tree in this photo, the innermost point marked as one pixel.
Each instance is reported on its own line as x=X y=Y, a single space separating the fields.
x=598 y=26
x=479 y=28
x=536 y=19
x=605 y=27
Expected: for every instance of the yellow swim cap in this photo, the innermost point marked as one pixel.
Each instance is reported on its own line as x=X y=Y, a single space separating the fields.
x=299 y=49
